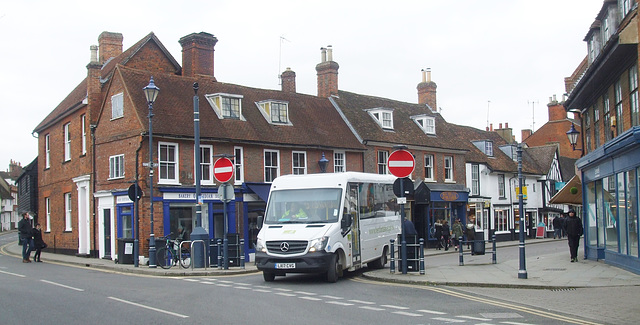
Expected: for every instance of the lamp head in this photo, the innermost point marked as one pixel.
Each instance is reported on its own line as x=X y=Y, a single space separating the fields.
x=151 y=91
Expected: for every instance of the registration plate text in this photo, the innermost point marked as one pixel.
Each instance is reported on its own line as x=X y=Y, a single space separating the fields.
x=285 y=265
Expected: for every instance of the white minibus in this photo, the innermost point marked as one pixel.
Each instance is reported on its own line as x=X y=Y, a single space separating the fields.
x=327 y=223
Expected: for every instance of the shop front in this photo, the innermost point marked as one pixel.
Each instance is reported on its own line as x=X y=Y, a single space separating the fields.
x=435 y=203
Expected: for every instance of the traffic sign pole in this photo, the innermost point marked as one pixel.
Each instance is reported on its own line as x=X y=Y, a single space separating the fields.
x=401 y=164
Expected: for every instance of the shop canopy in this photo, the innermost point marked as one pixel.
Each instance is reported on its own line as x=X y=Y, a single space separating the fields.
x=564 y=196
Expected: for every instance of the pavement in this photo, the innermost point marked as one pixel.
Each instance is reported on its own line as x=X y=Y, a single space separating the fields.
x=546 y=271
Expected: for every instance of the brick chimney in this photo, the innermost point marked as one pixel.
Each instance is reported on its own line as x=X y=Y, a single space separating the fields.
x=327 y=71
x=197 y=54
x=427 y=90
x=110 y=45
x=288 y=79
x=94 y=87
x=556 y=110
x=525 y=133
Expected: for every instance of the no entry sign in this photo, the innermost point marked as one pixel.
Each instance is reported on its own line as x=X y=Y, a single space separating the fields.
x=223 y=170
x=401 y=163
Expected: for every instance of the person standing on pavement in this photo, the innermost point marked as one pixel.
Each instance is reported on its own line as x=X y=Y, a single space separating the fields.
x=471 y=229
x=557 y=227
x=438 y=234
x=573 y=229
x=446 y=234
x=457 y=232
x=38 y=242
x=25 y=233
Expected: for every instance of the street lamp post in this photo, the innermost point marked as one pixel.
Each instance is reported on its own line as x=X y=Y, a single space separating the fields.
x=573 y=134
x=151 y=92
x=198 y=233
x=522 y=273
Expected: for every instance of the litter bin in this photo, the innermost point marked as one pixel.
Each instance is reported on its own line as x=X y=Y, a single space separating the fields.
x=478 y=247
x=125 y=250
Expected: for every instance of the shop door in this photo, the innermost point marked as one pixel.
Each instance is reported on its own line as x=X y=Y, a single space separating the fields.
x=107 y=233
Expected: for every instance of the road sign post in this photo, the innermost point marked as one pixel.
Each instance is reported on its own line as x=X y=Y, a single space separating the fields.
x=401 y=164
x=223 y=172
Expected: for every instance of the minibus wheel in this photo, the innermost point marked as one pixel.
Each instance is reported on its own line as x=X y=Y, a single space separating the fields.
x=268 y=276
x=335 y=269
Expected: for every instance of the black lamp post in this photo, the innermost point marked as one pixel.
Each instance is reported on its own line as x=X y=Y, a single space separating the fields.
x=199 y=233
x=151 y=92
x=323 y=162
x=573 y=134
x=522 y=272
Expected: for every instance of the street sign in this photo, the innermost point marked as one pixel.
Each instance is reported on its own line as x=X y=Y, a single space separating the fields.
x=401 y=163
x=407 y=187
x=132 y=192
x=225 y=192
x=223 y=170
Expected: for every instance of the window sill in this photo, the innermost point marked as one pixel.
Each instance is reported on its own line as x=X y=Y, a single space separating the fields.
x=68 y=231
x=115 y=178
x=168 y=183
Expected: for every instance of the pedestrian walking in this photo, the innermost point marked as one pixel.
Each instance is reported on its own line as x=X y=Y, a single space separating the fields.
x=438 y=234
x=39 y=244
x=573 y=229
x=26 y=237
x=557 y=227
x=471 y=230
x=446 y=234
x=456 y=228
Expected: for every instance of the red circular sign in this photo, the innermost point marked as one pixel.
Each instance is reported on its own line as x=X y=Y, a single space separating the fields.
x=223 y=170
x=401 y=163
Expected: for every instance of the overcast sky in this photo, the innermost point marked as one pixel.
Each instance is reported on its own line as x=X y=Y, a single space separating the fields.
x=493 y=61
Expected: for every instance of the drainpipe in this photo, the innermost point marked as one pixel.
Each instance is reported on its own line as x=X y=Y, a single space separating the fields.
x=93 y=189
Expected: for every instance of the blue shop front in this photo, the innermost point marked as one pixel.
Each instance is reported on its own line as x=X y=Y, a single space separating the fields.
x=610 y=183
x=433 y=202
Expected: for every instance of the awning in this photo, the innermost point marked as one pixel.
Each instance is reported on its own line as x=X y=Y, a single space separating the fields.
x=261 y=189
x=564 y=196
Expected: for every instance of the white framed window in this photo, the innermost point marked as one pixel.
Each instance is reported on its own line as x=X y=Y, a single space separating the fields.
x=488 y=148
x=67 y=212
x=84 y=134
x=67 y=142
x=238 y=162
x=605 y=29
x=206 y=164
x=383 y=157
x=117 y=106
x=617 y=87
x=382 y=116
x=299 y=162
x=448 y=168
x=47 y=204
x=339 y=162
x=428 y=167
x=47 y=152
x=116 y=167
x=275 y=111
x=426 y=123
x=633 y=94
x=226 y=106
x=501 y=188
x=475 y=179
x=168 y=163
x=501 y=219
x=271 y=165
x=625 y=7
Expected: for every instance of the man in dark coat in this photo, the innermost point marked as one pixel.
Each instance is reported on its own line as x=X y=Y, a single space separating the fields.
x=26 y=232
x=573 y=229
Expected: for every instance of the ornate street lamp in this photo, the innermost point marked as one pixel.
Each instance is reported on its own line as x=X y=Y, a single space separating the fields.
x=323 y=162
x=151 y=92
x=573 y=134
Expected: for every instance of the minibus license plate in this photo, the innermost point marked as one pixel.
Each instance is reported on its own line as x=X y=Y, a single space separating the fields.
x=285 y=265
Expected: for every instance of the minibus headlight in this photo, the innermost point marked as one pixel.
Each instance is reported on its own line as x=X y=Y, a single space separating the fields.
x=318 y=244
x=260 y=246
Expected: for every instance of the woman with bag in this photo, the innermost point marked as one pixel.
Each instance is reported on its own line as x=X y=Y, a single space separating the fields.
x=38 y=242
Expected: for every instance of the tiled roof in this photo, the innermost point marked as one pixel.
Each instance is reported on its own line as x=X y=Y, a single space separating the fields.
x=542 y=156
x=70 y=104
x=315 y=122
x=499 y=162
x=405 y=130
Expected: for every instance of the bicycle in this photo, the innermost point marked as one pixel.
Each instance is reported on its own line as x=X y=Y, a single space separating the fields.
x=166 y=256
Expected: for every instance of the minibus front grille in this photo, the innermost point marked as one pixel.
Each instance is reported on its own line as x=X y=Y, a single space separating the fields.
x=287 y=246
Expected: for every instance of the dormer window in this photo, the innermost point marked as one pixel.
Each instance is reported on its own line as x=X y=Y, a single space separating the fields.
x=486 y=146
x=426 y=123
x=275 y=111
x=226 y=106
x=383 y=116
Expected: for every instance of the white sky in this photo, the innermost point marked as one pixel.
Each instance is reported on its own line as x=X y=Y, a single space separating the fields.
x=513 y=53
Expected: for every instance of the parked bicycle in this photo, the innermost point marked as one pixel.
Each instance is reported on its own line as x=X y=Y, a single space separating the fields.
x=168 y=256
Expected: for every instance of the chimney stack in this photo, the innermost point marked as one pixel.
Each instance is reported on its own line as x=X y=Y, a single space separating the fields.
x=94 y=53
x=427 y=91
x=525 y=134
x=288 y=79
x=556 y=110
x=110 y=45
x=197 y=54
x=500 y=124
x=327 y=72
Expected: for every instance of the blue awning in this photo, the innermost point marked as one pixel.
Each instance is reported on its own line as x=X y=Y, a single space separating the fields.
x=260 y=189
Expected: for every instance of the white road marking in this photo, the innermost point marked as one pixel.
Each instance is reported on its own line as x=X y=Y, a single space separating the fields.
x=306 y=293
x=331 y=297
x=310 y=298
x=451 y=320
x=514 y=323
x=405 y=313
x=432 y=312
x=339 y=303
x=62 y=285
x=363 y=302
x=15 y=274
x=206 y=282
x=150 y=308
x=286 y=294
x=474 y=318
x=372 y=308
x=191 y=280
x=261 y=290
x=395 y=307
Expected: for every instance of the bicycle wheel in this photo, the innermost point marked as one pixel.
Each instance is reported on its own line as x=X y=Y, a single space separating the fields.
x=185 y=258
x=164 y=258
